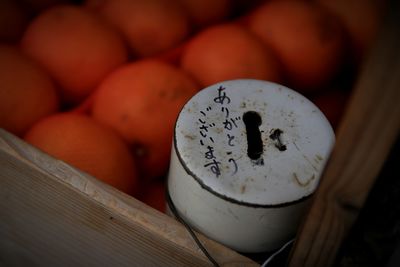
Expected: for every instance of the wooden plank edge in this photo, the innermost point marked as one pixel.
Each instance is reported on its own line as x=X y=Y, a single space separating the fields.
x=117 y=202
x=365 y=137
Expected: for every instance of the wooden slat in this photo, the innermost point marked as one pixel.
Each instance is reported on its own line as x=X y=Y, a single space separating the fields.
x=54 y=215
x=369 y=129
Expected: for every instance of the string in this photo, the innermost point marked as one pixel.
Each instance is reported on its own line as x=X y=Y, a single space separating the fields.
x=189 y=229
x=270 y=258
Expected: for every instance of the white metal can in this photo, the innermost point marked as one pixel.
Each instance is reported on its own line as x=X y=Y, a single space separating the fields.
x=246 y=157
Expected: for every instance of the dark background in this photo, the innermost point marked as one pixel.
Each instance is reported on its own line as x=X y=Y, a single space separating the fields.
x=375 y=237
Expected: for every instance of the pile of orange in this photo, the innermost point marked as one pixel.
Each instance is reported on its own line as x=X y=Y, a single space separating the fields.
x=99 y=83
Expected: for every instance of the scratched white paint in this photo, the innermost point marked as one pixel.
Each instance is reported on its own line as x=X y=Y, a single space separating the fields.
x=249 y=205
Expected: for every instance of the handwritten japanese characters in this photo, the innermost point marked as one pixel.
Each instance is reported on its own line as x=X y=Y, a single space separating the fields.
x=207 y=141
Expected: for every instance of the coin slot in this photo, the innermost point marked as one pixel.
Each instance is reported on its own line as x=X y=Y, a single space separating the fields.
x=252 y=121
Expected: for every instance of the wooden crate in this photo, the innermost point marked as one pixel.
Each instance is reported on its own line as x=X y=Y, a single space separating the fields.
x=51 y=214
x=54 y=215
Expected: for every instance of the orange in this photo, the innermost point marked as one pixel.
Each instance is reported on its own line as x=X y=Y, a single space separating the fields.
x=154 y=195
x=141 y=101
x=307 y=40
x=149 y=26
x=87 y=145
x=228 y=51
x=332 y=103
x=76 y=47
x=171 y=56
x=26 y=92
x=206 y=12
x=361 y=19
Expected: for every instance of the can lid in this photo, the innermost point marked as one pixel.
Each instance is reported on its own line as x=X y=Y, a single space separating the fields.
x=253 y=142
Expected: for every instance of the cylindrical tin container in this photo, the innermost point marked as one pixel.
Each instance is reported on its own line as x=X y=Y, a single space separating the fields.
x=246 y=156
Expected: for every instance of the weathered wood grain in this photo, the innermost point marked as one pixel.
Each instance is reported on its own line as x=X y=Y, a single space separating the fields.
x=369 y=129
x=54 y=215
